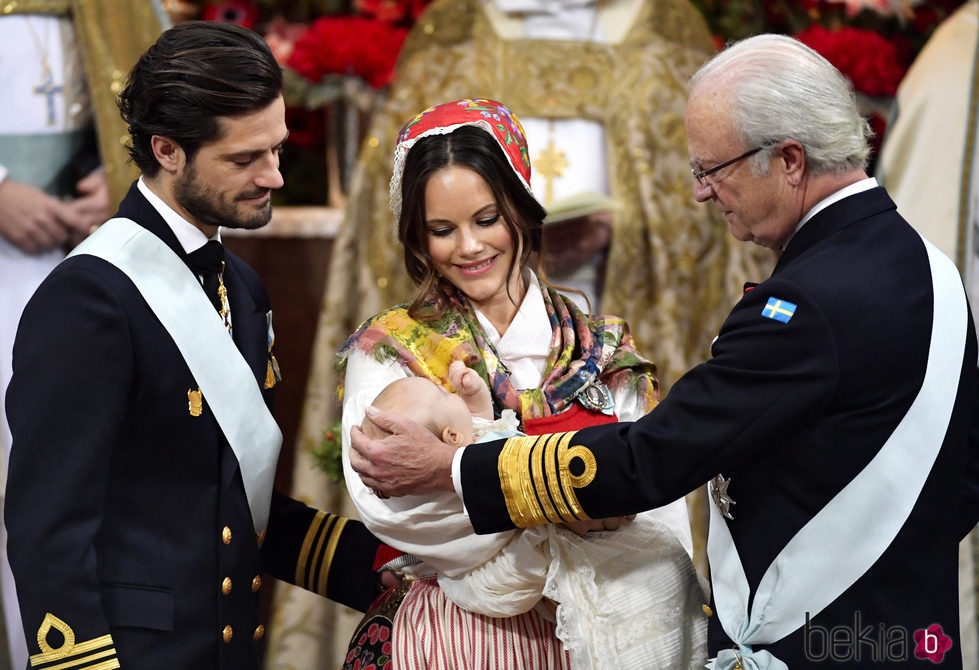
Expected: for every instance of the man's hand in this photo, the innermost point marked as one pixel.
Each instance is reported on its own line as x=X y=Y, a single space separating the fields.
x=582 y=528
x=409 y=460
x=92 y=207
x=32 y=220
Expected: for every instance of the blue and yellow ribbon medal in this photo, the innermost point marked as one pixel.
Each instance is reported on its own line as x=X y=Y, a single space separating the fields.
x=272 y=372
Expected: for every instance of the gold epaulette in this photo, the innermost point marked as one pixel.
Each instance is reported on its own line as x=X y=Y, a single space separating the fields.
x=96 y=654
x=58 y=7
x=537 y=479
x=316 y=555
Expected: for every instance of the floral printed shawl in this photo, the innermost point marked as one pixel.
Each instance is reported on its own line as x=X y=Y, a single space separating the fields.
x=582 y=348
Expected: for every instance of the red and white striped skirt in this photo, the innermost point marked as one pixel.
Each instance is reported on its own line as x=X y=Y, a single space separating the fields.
x=432 y=633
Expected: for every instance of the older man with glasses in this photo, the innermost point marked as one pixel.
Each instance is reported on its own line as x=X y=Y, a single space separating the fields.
x=836 y=420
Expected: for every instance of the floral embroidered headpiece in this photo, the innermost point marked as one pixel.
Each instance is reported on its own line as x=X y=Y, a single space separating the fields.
x=442 y=119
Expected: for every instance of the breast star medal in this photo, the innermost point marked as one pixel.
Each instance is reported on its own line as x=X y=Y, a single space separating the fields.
x=718 y=491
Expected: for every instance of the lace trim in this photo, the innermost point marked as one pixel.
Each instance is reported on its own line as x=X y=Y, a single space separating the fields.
x=629 y=598
x=506 y=424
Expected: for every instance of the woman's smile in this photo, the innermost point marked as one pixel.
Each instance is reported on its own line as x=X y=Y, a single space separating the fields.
x=476 y=268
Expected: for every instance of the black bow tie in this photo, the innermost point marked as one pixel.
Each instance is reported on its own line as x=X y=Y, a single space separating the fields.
x=208 y=258
x=208 y=261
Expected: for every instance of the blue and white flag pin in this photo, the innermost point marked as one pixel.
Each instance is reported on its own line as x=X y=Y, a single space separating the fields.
x=778 y=309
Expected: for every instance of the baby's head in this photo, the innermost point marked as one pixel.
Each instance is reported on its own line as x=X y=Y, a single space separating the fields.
x=427 y=404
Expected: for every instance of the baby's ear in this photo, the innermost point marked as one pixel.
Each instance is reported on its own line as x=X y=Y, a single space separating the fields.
x=452 y=437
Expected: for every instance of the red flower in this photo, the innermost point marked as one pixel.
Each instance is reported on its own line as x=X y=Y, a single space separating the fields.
x=356 y=45
x=870 y=61
x=392 y=11
x=239 y=12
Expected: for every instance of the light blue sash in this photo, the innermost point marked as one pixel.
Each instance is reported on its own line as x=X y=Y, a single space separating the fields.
x=846 y=537
x=175 y=296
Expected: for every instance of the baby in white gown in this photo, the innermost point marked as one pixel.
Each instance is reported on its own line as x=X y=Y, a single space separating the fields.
x=618 y=597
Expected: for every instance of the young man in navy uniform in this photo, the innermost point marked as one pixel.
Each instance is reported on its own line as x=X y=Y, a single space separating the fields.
x=140 y=507
x=836 y=420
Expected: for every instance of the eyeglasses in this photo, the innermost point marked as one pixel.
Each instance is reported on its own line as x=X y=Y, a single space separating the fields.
x=701 y=175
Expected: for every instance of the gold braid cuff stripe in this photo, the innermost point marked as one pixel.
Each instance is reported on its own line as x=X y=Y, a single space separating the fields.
x=318 y=549
x=82 y=663
x=69 y=648
x=537 y=482
x=58 y=7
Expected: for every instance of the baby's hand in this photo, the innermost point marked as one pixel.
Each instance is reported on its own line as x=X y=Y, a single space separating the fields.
x=470 y=386
x=464 y=381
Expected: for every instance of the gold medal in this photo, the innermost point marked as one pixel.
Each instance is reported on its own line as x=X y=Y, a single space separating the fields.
x=195 y=404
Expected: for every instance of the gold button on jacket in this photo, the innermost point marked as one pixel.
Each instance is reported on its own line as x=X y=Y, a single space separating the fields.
x=227 y=634
x=256 y=583
x=226 y=586
x=226 y=535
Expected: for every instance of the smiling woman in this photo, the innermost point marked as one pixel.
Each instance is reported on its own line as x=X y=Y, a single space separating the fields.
x=469 y=225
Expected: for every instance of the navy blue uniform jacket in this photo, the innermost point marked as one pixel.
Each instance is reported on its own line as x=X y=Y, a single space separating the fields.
x=791 y=412
x=129 y=531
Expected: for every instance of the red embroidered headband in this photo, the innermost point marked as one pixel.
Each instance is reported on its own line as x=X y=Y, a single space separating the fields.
x=442 y=119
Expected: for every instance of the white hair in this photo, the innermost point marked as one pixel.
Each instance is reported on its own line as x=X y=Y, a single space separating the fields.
x=781 y=89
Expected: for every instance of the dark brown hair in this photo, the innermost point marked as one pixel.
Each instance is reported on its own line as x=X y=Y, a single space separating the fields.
x=196 y=72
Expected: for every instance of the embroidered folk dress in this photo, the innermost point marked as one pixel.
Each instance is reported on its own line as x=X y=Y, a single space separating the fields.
x=484 y=610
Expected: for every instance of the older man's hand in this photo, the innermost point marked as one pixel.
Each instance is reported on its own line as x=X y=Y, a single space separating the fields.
x=582 y=528
x=409 y=460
